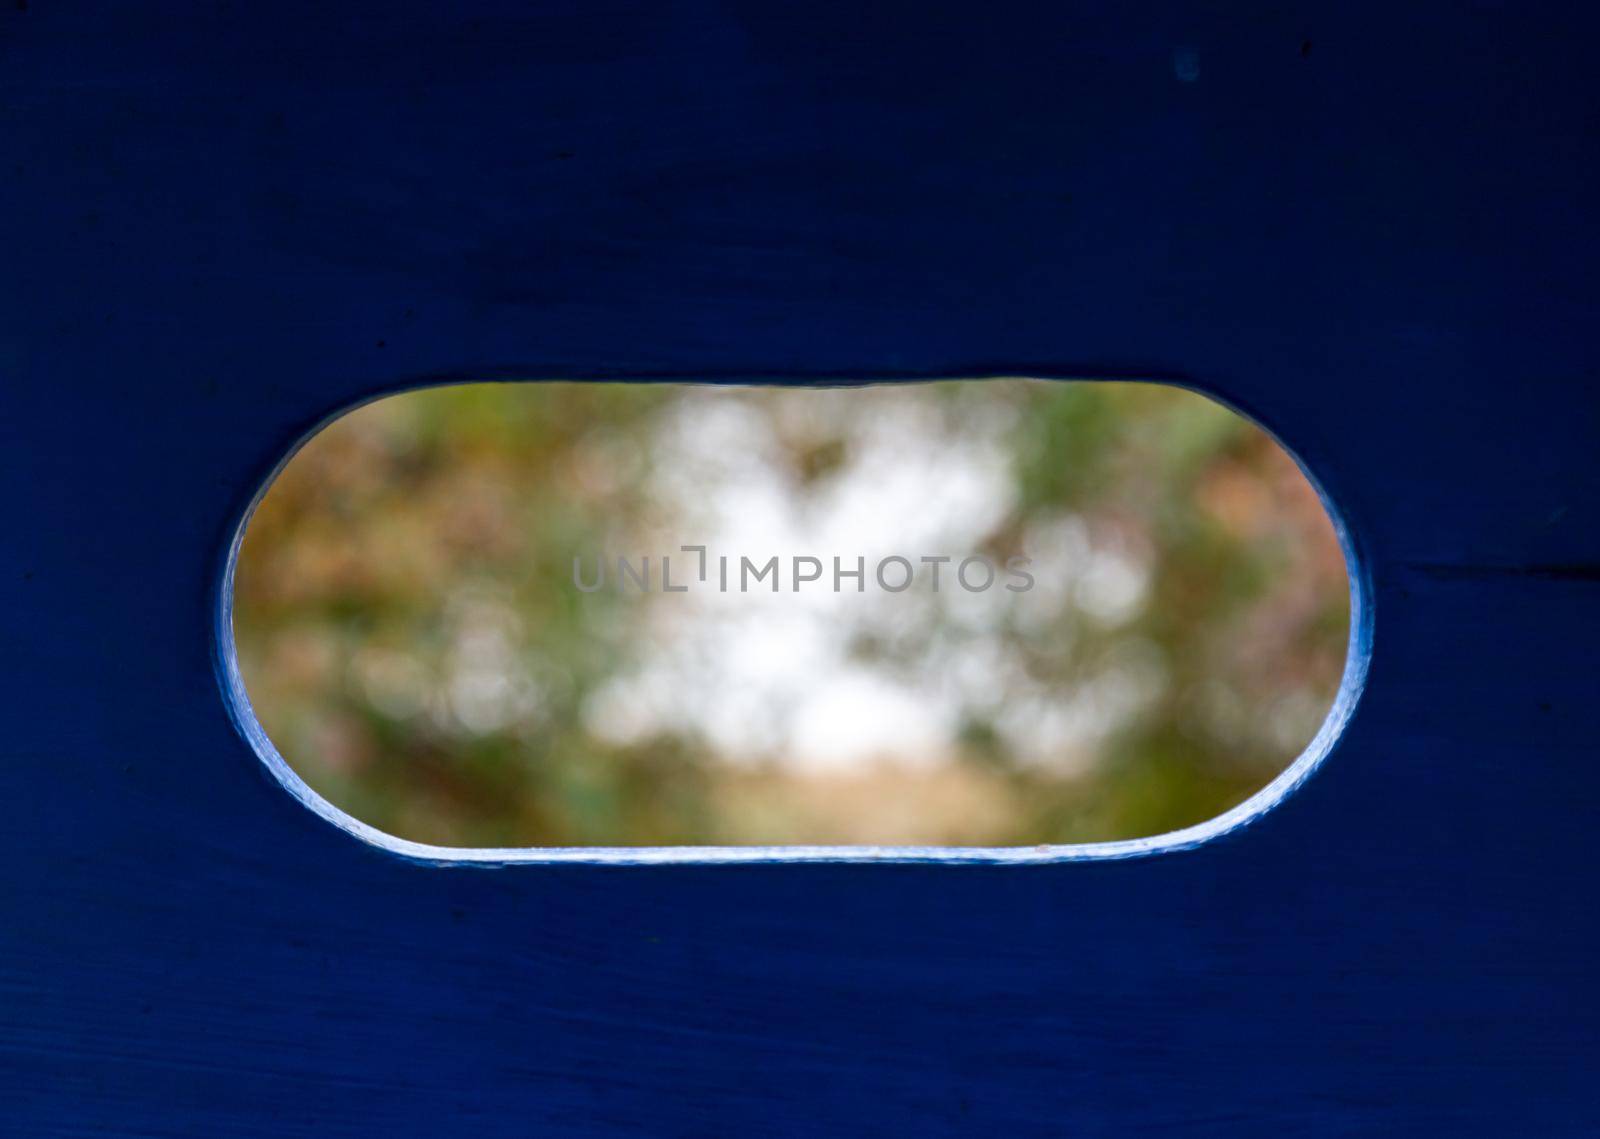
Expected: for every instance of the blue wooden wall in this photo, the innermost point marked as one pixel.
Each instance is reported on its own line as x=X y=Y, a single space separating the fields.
x=1372 y=226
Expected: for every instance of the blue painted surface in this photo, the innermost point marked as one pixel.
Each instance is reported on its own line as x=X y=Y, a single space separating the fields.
x=1372 y=229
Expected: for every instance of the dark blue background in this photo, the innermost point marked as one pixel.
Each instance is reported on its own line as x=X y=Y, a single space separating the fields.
x=1370 y=225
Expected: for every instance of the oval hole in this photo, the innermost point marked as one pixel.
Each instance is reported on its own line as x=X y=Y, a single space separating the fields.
x=981 y=613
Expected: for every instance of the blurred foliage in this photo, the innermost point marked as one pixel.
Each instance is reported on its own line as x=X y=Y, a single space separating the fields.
x=413 y=644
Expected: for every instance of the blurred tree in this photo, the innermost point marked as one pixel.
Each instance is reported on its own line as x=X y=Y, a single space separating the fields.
x=412 y=642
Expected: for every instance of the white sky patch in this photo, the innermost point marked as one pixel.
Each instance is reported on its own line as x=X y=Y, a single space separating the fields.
x=771 y=677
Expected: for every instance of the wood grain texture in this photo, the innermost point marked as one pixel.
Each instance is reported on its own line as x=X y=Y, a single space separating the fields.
x=1372 y=229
